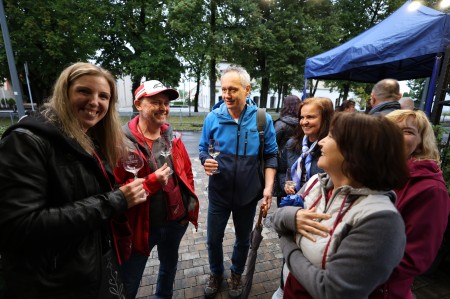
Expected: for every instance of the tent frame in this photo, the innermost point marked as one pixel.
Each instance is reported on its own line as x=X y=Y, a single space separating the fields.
x=443 y=87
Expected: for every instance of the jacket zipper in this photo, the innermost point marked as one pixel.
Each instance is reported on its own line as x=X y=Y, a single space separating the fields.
x=245 y=145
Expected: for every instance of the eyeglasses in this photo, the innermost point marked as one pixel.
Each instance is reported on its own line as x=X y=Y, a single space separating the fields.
x=230 y=90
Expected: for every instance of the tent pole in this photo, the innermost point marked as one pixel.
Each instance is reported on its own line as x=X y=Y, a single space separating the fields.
x=432 y=86
x=304 y=88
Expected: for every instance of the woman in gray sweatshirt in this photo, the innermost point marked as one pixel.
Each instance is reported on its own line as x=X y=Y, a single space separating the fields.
x=349 y=237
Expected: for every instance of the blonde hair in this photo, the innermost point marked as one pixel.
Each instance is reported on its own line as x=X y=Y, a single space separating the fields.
x=107 y=132
x=427 y=149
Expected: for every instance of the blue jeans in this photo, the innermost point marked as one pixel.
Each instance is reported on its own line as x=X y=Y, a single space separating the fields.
x=167 y=240
x=243 y=225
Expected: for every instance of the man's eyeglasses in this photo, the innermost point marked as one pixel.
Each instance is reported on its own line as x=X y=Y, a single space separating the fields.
x=231 y=90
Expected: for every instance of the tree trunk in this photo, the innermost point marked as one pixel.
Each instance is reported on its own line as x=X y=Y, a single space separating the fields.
x=280 y=86
x=197 y=91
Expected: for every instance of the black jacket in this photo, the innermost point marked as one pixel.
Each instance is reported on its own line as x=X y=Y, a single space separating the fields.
x=385 y=108
x=54 y=204
x=285 y=128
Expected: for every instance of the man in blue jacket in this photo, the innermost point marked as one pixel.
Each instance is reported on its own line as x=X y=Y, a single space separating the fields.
x=239 y=185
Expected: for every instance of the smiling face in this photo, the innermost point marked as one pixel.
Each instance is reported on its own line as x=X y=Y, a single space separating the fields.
x=411 y=136
x=154 y=110
x=331 y=158
x=90 y=97
x=233 y=93
x=310 y=121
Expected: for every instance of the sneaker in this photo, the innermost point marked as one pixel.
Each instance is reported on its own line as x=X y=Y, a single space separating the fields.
x=213 y=285
x=278 y=294
x=235 y=284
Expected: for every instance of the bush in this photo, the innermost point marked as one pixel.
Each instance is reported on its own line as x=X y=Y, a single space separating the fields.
x=444 y=150
x=11 y=102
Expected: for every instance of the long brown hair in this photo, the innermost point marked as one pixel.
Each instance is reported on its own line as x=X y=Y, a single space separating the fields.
x=107 y=132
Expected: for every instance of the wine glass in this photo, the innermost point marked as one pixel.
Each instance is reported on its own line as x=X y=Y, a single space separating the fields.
x=133 y=162
x=214 y=151
x=167 y=151
x=288 y=179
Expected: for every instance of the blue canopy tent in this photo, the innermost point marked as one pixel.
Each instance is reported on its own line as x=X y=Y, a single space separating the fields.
x=403 y=46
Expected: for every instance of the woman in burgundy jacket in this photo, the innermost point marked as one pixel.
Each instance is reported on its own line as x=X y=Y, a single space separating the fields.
x=423 y=203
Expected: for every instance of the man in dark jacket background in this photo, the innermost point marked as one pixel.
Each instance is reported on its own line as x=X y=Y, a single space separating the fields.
x=384 y=97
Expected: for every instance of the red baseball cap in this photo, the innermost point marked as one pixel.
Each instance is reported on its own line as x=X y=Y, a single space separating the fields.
x=152 y=87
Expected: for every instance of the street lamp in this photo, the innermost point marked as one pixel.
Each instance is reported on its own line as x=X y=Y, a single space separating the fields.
x=12 y=66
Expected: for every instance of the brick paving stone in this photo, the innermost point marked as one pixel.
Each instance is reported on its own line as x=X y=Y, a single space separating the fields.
x=185 y=283
x=190 y=255
x=195 y=292
x=200 y=262
x=192 y=272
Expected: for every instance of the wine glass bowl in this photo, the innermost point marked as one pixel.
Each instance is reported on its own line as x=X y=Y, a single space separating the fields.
x=289 y=183
x=214 y=151
x=133 y=162
x=167 y=151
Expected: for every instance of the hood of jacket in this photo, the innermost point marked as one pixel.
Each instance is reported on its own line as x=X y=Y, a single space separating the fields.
x=425 y=169
x=355 y=193
x=289 y=119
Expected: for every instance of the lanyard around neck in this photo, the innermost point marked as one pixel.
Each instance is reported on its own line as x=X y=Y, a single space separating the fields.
x=103 y=169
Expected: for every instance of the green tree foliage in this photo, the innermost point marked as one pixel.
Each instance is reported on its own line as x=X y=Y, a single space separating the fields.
x=136 y=41
x=243 y=37
x=416 y=87
x=248 y=41
x=49 y=35
x=162 y=39
x=190 y=27
x=353 y=18
x=302 y=29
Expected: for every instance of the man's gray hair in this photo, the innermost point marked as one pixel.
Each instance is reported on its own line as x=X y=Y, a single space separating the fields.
x=406 y=103
x=243 y=74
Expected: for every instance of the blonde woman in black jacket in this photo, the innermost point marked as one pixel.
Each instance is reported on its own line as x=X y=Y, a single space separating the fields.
x=57 y=192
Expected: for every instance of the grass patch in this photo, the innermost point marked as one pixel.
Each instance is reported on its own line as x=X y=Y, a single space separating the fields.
x=183 y=123
x=4 y=124
x=179 y=123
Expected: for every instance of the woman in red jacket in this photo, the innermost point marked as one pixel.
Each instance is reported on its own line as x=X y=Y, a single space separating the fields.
x=423 y=203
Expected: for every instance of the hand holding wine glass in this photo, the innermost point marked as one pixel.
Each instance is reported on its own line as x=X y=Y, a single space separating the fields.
x=289 y=184
x=214 y=151
x=134 y=192
x=133 y=162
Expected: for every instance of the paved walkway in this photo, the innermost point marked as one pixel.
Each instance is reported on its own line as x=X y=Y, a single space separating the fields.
x=193 y=269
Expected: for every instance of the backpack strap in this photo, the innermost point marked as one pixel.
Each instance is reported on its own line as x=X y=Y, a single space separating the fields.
x=261 y=124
